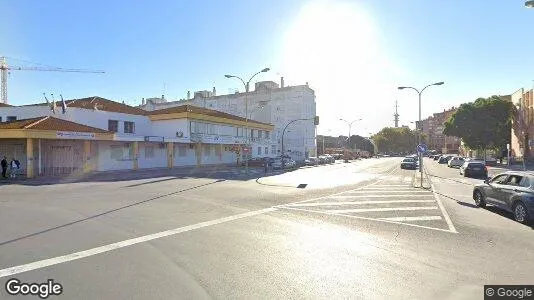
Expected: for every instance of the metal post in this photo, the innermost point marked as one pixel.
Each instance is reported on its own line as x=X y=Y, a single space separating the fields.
x=419 y=133
x=246 y=127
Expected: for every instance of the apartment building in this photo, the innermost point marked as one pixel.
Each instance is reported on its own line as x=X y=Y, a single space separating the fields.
x=433 y=127
x=269 y=103
x=522 y=135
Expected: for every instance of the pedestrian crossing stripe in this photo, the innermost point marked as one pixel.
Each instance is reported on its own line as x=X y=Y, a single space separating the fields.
x=360 y=210
x=359 y=202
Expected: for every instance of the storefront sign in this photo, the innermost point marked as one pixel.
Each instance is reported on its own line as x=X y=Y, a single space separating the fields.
x=74 y=135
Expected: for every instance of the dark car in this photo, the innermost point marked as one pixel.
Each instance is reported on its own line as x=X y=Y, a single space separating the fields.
x=444 y=159
x=408 y=163
x=511 y=191
x=474 y=169
x=436 y=157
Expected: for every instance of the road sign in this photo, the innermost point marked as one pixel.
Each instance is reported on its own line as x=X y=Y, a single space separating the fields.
x=422 y=148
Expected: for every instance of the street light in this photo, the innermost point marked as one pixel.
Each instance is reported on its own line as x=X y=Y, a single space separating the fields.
x=247 y=84
x=419 y=93
x=348 y=139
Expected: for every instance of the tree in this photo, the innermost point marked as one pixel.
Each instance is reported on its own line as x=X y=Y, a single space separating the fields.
x=483 y=124
x=359 y=142
x=396 y=139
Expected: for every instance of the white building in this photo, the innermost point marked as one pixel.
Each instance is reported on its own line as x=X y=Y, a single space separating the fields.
x=268 y=103
x=96 y=134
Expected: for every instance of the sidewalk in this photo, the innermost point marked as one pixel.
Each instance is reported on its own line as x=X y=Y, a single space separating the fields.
x=417 y=180
x=123 y=175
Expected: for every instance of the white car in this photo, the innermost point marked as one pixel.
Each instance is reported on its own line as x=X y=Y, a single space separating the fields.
x=456 y=161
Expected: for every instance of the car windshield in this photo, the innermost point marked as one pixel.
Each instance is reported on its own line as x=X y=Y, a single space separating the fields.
x=409 y=160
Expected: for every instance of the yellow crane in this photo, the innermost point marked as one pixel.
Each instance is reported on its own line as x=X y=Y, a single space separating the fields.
x=5 y=69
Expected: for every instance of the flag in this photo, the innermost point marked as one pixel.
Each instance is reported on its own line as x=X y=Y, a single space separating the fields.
x=53 y=104
x=63 y=104
x=47 y=102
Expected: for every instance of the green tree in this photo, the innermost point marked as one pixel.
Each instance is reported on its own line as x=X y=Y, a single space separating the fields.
x=483 y=124
x=396 y=139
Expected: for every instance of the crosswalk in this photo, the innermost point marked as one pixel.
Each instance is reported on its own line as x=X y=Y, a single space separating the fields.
x=392 y=200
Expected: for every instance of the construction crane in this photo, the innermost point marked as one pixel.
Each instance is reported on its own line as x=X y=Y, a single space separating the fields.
x=5 y=69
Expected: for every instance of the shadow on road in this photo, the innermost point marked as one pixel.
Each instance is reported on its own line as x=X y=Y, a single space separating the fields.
x=108 y=212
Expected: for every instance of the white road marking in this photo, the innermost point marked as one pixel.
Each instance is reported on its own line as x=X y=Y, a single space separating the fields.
x=364 y=218
x=440 y=204
x=377 y=196
x=390 y=185
x=360 y=202
x=363 y=191
x=359 y=210
x=407 y=219
x=106 y=248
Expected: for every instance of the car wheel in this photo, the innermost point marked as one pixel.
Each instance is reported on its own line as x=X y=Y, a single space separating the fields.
x=521 y=213
x=479 y=199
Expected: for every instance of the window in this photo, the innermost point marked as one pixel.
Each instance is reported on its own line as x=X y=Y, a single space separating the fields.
x=11 y=118
x=267 y=134
x=514 y=180
x=218 y=150
x=525 y=182
x=113 y=125
x=273 y=149
x=259 y=150
x=501 y=179
x=117 y=152
x=212 y=129
x=129 y=127
x=260 y=134
x=252 y=133
x=182 y=150
x=207 y=150
x=149 y=152
x=266 y=150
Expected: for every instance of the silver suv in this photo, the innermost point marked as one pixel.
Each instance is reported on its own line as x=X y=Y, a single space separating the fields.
x=511 y=191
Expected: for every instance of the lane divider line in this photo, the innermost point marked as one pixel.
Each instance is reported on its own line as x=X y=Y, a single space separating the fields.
x=126 y=243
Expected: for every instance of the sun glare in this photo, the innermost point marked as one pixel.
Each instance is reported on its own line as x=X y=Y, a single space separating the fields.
x=336 y=46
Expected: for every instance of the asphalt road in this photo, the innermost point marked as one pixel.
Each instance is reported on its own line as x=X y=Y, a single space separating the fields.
x=358 y=230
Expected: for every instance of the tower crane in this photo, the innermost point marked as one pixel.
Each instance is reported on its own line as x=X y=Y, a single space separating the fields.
x=5 y=68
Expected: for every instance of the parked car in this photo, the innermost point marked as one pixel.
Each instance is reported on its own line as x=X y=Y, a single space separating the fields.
x=311 y=161
x=491 y=161
x=254 y=162
x=443 y=159
x=511 y=191
x=290 y=164
x=408 y=163
x=330 y=158
x=456 y=161
x=322 y=160
x=474 y=168
x=436 y=157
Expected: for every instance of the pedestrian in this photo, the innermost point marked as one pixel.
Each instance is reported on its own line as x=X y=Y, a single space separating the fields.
x=3 y=163
x=15 y=167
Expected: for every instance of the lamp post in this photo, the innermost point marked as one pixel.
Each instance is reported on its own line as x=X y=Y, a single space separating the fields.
x=348 y=139
x=247 y=84
x=419 y=93
x=284 y=132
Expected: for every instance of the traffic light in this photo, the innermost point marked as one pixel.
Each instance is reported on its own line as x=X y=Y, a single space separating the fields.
x=316 y=120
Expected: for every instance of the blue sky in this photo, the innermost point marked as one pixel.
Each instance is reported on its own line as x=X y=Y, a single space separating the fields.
x=353 y=53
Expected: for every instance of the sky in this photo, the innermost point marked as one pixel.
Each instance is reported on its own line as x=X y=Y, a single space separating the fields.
x=354 y=54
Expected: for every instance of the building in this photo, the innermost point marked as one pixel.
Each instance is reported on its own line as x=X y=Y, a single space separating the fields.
x=268 y=103
x=523 y=124
x=97 y=134
x=432 y=128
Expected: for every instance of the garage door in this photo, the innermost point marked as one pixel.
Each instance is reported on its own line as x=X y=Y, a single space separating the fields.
x=62 y=157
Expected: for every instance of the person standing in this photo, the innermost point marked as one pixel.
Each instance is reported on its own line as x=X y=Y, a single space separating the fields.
x=3 y=163
x=14 y=167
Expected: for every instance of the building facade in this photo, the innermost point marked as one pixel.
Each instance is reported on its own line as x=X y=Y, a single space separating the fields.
x=522 y=135
x=97 y=134
x=432 y=128
x=268 y=103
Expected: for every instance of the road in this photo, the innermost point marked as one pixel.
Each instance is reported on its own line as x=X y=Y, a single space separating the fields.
x=358 y=230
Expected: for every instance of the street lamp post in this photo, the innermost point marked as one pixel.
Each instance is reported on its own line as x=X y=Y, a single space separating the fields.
x=348 y=139
x=247 y=84
x=284 y=132
x=419 y=93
